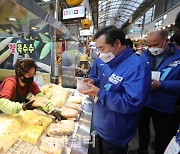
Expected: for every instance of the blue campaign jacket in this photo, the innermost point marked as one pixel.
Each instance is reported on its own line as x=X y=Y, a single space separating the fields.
x=96 y=69
x=164 y=99
x=124 y=86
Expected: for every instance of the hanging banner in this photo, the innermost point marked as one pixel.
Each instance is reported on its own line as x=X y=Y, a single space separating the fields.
x=74 y=12
x=39 y=50
x=86 y=32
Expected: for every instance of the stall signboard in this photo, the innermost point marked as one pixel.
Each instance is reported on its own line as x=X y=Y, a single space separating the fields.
x=86 y=32
x=74 y=12
x=21 y=48
x=13 y=49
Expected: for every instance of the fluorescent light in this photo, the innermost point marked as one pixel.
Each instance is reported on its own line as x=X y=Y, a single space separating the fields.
x=46 y=0
x=8 y=30
x=12 y=19
x=46 y=33
x=35 y=28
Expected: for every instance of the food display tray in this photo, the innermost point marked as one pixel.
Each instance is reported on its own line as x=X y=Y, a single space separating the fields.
x=78 y=142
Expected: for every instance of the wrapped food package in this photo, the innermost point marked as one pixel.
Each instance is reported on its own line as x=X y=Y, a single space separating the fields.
x=10 y=129
x=13 y=126
x=46 y=88
x=75 y=99
x=56 y=94
x=32 y=134
x=42 y=121
x=32 y=118
x=68 y=112
x=39 y=101
x=59 y=94
x=74 y=106
x=53 y=145
x=64 y=127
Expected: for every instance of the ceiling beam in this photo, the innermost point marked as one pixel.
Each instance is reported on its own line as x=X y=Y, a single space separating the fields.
x=141 y=10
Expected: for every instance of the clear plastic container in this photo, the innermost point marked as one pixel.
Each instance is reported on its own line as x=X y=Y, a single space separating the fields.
x=81 y=86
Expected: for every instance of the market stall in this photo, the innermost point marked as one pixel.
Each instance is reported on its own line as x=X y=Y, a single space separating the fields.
x=36 y=132
x=28 y=31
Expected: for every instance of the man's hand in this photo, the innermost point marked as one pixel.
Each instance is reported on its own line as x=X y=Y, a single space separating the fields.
x=93 y=91
x=88 y=81
x=28 y=105
x=155 y=84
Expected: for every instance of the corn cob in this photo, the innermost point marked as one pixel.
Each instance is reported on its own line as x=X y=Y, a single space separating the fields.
x=5 y=55
x=5 y=42
x=45 y=50
x=44 y=38
x=36 y=43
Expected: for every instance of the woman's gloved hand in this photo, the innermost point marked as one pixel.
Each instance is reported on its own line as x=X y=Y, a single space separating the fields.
x=57 y=114
x=46 y=107
x=28 y=105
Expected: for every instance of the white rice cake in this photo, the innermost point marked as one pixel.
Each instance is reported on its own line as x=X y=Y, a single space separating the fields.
x=63 y=127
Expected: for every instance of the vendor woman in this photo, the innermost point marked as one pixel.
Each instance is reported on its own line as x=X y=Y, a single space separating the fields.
x=14 y=89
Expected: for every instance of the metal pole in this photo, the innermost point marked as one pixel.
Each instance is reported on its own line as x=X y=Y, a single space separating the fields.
x=58 y=46
x=143 y=21
x=54 y=64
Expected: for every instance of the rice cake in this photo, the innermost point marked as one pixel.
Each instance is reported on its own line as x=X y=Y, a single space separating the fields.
x=68 y=112
x=75 y=99
x=64 y=127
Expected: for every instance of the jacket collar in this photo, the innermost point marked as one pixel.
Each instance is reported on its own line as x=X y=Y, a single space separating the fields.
x=169 y=59
x=121 y=57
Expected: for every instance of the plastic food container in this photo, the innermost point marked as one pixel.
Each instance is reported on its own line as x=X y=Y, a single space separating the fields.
x=81 y=86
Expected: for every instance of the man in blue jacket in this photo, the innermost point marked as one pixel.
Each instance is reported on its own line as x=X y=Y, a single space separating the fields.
x=96 y=69
x=160 y=106
x=121 y=89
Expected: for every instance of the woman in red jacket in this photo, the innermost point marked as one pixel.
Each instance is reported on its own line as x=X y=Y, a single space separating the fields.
x=14 y=90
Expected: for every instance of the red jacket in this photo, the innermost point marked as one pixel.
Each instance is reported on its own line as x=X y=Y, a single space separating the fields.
x=8 y=88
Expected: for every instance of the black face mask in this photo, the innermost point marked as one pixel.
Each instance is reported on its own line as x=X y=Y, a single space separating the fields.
x=27 y=80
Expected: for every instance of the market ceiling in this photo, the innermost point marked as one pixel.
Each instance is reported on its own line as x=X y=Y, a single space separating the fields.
x=122 y=13
x=114 y=12
x=104 y=12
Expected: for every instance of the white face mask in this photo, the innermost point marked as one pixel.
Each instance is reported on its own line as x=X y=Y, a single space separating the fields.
x=106 y=57
x=156 y=51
